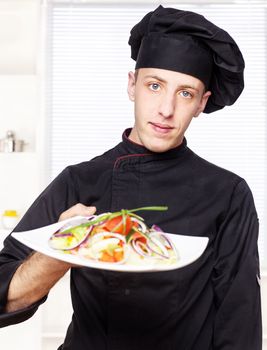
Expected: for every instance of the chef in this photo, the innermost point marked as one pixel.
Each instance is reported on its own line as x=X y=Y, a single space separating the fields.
x=185 y=65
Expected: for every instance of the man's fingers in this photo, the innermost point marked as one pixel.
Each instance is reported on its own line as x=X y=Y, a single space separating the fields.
x=77 y=209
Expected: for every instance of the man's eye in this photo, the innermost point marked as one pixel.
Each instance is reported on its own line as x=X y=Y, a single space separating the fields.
x=186 y=94
x=154 y=87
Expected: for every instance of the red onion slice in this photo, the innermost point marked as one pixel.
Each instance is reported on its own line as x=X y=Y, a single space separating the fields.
x=154 y=245
x=62 y=234
x=54 y=240
x=141 y=248
x=163 y=239
x=155 y=228
x=141 y=225
x=76 y=221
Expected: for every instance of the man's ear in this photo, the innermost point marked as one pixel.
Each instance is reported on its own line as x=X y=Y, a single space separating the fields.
x=203 y=103
x=131 y=86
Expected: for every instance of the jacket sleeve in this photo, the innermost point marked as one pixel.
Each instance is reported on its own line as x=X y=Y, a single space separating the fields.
x=55 y=199
x=236 y=276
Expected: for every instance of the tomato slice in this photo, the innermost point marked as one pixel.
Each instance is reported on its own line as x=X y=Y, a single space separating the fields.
x=140 y=237
x=118 y=225
x=106 y=257
x=118 y=254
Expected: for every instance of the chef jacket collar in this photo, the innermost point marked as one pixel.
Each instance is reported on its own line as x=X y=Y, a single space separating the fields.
x=134 y=148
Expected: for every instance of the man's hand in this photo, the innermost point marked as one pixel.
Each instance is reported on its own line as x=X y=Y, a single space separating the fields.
x=39 y=273
x=76 y=210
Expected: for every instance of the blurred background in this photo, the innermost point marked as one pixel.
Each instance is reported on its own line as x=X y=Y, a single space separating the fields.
x=63 y=100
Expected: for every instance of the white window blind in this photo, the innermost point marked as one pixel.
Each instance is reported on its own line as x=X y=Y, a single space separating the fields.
x=87 y=103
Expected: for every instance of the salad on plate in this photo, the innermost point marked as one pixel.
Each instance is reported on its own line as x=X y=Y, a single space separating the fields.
x=120 y=237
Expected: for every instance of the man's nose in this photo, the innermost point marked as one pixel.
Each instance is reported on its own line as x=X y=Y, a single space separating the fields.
x=167 y=105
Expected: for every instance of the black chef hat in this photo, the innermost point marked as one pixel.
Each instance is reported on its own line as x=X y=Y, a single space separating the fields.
x=187 y=42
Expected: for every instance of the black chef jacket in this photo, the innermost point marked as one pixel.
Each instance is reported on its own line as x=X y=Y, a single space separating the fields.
x=213 y=303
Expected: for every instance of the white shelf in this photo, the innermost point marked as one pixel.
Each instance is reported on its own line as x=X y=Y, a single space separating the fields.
x=3 y=231
x=54 y=335
x=3 y=234
x=17 y=154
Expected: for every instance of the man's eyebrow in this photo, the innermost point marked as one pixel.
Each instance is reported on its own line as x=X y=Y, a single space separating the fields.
x=155 y=77
x=184 y=86
x=187 y=86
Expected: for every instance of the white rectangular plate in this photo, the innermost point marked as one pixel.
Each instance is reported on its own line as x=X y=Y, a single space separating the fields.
x=189 y=248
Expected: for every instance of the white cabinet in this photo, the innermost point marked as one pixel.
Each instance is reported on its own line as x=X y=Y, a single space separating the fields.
x=19 y=181
x=56 y=315
x=23 y=336
x=19 y=111
x=20 y=178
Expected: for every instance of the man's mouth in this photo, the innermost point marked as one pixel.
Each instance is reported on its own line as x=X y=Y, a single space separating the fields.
x=161 y=128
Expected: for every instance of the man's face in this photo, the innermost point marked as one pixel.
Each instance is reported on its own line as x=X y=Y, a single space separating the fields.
x=165 y=103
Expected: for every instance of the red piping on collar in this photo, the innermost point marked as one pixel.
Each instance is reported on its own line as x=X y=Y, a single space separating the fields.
x=128 y=139
x=127 y=156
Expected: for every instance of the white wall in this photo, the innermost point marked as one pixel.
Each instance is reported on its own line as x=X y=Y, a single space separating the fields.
x=19 y=110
